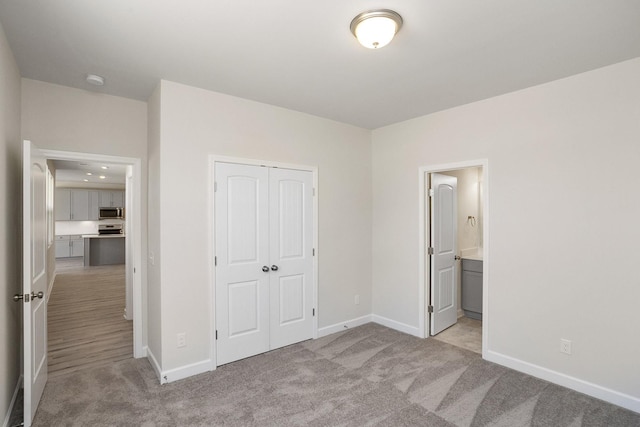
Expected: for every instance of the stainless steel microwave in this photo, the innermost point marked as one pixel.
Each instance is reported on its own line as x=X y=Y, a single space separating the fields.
x=111 y=213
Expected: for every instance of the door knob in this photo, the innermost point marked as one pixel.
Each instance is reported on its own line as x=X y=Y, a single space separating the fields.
x=265 y=268
x=457 y=258
x=18 y=297
x=274 y=267
x=38 y=295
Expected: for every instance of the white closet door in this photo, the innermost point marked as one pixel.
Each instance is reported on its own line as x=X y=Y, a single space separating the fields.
x=242 y=239
x=290 y=248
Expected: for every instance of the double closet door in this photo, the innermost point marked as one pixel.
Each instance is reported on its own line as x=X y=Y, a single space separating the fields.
x=264 y=270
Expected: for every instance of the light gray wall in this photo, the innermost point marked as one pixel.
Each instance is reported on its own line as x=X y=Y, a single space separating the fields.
x=10 y=243
x=197 y=123
x=563 y=220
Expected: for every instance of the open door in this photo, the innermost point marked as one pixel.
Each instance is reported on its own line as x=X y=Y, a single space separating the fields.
x=34 y=261
x=444 y=242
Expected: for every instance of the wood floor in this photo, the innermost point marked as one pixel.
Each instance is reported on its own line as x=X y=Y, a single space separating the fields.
x=86 y=322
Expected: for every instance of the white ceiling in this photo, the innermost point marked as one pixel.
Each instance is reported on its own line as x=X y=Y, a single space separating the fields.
x=300 y=54
x=87 y=174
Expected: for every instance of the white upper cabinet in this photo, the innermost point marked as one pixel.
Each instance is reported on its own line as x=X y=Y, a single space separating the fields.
x=74 y=204
x=79 y=205
x=111 y=199
x=62 y=204
x=94 y=205
x=71 y=204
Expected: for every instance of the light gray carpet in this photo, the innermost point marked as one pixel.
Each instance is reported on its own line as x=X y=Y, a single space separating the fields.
x=370 y=375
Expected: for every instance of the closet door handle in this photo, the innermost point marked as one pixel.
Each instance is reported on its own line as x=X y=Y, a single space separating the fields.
x=265 y=268
x=274 y=267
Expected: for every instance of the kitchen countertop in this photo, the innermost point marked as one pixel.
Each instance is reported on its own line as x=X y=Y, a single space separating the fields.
x=472 y=254
x=102 y=236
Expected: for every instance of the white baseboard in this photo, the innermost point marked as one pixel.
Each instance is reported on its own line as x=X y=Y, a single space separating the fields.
x=7 y=417
x=332 y=329
x=621 y=399
x=50 y=286
x=154 y=363
x=182 y=372
x=398 y=326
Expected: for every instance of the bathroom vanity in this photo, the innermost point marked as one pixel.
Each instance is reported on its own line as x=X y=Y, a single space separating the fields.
x=472 y=288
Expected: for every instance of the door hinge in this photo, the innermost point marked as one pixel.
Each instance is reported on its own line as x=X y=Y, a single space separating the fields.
x=430 y=309
x=431 y=192
x=134 y=270
x=430 y=250
x=215 y=261
x=216 y=334
x=313 y=252
x=313 y=312
x=215 y=186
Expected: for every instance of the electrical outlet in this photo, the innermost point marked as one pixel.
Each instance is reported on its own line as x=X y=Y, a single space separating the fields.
x=357 y=300
x=565 y=346
x=182 y=340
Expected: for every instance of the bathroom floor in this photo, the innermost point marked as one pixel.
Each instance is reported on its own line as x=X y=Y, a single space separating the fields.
x=466 y=333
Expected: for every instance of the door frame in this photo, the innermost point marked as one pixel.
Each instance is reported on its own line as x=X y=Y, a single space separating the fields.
x=213 y=159
x=135 y=213
x=424 y=269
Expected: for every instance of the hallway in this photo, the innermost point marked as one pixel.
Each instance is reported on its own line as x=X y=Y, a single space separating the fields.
x=86 y=325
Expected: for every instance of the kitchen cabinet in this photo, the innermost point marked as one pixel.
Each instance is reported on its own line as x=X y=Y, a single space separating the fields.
x=71 y=204
x=94 y=205
x=111 y=199
x=75 y=204
x=69 y=246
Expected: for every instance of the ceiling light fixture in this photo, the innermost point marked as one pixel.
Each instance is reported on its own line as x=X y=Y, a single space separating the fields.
x=85 y=180
x=89 y=173
x=95 y=80
x=104 y=167
x=376 y=28
x=102 y=177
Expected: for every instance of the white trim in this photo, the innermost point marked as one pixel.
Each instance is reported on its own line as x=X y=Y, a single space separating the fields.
x=422 y=268
x=50 y=287
x=154 y=363
x=342 y=326
x=185 y=371
x=213 y=159
x=621 y=399
x=12 y=403
x=136 y=163
x=398 y=326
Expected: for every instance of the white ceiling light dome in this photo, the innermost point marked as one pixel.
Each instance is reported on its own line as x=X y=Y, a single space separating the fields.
x=95 y=79
x=376 y=28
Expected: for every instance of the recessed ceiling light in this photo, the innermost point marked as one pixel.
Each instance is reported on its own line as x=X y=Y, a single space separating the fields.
x=85 y=180
x=104 y=167
x=89 y=173
x=102 y=177
x=96 y=80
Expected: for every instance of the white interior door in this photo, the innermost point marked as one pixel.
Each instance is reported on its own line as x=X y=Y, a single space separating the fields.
x=290 y=250
x=444 y=241
x=242 y=271
x=34 y=259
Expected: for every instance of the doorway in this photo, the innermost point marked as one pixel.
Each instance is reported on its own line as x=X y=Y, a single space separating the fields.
x=132 y=200
x=469 y=252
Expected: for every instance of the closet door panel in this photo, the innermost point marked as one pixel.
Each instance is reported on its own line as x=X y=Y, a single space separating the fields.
x=290 y=249
x=242 y=238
